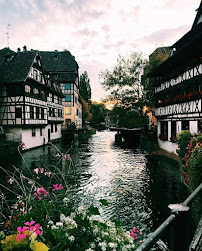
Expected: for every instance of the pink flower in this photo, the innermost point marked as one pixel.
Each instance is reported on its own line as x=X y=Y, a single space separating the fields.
x=37 y=231
x=134 y=232
x=29 y=224
x=36 y=170
x=39 y=192
x=133 y=235
x=56 y=187
x=21 y=233
x=10 y=181
x=41 y=170
x=48 y=174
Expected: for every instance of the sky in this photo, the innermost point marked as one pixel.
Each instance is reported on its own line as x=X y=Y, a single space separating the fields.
x=95 y=31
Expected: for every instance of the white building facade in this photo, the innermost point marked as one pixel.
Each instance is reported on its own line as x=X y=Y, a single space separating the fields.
x=178 y=88
x=31 y=108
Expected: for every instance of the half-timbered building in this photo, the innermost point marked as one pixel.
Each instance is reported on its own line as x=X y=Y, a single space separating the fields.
x=31 y=109
x=63 y=70
x=178 y=87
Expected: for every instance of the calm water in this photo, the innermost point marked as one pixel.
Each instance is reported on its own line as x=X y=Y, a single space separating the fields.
x=139 y=186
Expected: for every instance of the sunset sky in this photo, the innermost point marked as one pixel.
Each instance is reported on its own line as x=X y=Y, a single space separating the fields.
x=95 y=31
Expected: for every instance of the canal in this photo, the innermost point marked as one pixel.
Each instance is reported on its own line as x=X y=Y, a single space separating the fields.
x=138 y=186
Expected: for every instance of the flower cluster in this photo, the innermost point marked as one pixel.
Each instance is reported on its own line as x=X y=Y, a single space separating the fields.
x=57 y=187
x=135 y=232
x=40 y=191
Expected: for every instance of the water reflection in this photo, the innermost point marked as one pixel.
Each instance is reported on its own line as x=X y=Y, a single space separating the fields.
x=138 y=186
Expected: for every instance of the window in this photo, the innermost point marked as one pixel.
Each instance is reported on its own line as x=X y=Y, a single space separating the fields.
x=185 y=125
x=50 y=112
x=68 y=86
x=27 y=88
x=41 y=131
x=77 y=112
x=68 y=98
x=42 y=113
x=164 y=130
x=18 y=112
x=200 y=126
x=56 y=128
x=35 y=75
x=76 y=100
x=53 y=111
x=68 y=110
x=173 y=129
x=42 y=94
x=33 y=132
x=41 y=77
x=31 y=112
x=37 y=112
x=51 y=127
x=53 y=98
x=35 y=91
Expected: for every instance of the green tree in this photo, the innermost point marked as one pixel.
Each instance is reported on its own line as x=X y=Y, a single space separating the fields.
x=86 y=111
x=148 y=83
x=98 y=111
x=124 y=81
x=85 y=89
x=127 y=117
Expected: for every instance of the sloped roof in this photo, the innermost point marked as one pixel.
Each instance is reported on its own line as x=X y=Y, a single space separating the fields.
x=5 y=52
x=198 y=15
x=58 y=61
x=64 y=76
x=17 y=69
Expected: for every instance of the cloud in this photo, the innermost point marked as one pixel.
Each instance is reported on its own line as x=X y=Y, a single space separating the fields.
x=164 y=37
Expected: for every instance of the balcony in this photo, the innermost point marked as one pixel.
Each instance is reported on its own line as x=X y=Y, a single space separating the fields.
x=189 y=74
x=187 y=108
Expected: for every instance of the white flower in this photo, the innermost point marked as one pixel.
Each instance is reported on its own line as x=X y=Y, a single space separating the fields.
x=54 y=227
x=65 y=200
x=68 y=222
x=89 y=249
x=50 y=222
x=103 y=245
x=92 y=245
x=71 y=238
x=59 y=224
x=112 y=245
x=95 y=230
x=62 y=217
x=72 y=215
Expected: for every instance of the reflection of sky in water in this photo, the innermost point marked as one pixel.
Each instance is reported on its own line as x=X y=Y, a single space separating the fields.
x=120 y=175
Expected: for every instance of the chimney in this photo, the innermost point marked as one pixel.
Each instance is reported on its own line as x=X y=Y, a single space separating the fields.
x=24 y=48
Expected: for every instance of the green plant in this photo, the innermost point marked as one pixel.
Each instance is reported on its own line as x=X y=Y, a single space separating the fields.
x=60 y=223
x=183 y=139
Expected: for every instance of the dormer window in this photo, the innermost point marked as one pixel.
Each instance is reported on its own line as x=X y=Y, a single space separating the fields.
x=55 y=57
x=35 y=75
x=9 y=58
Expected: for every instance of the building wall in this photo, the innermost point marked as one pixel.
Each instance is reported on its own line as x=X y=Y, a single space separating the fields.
x=25 y=135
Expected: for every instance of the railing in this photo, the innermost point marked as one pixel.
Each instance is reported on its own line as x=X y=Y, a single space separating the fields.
x=176 y=209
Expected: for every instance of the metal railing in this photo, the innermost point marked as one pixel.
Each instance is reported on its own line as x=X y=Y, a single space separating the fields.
x=176 y=208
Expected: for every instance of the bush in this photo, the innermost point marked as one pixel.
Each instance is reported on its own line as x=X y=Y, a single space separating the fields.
x=183 y=138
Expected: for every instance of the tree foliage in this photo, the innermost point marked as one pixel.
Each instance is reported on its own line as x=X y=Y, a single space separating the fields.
x=98 y=111
x=127 y=117
x=85 y=89
x=124 y=81
x=155 y=59
x=87 y=115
